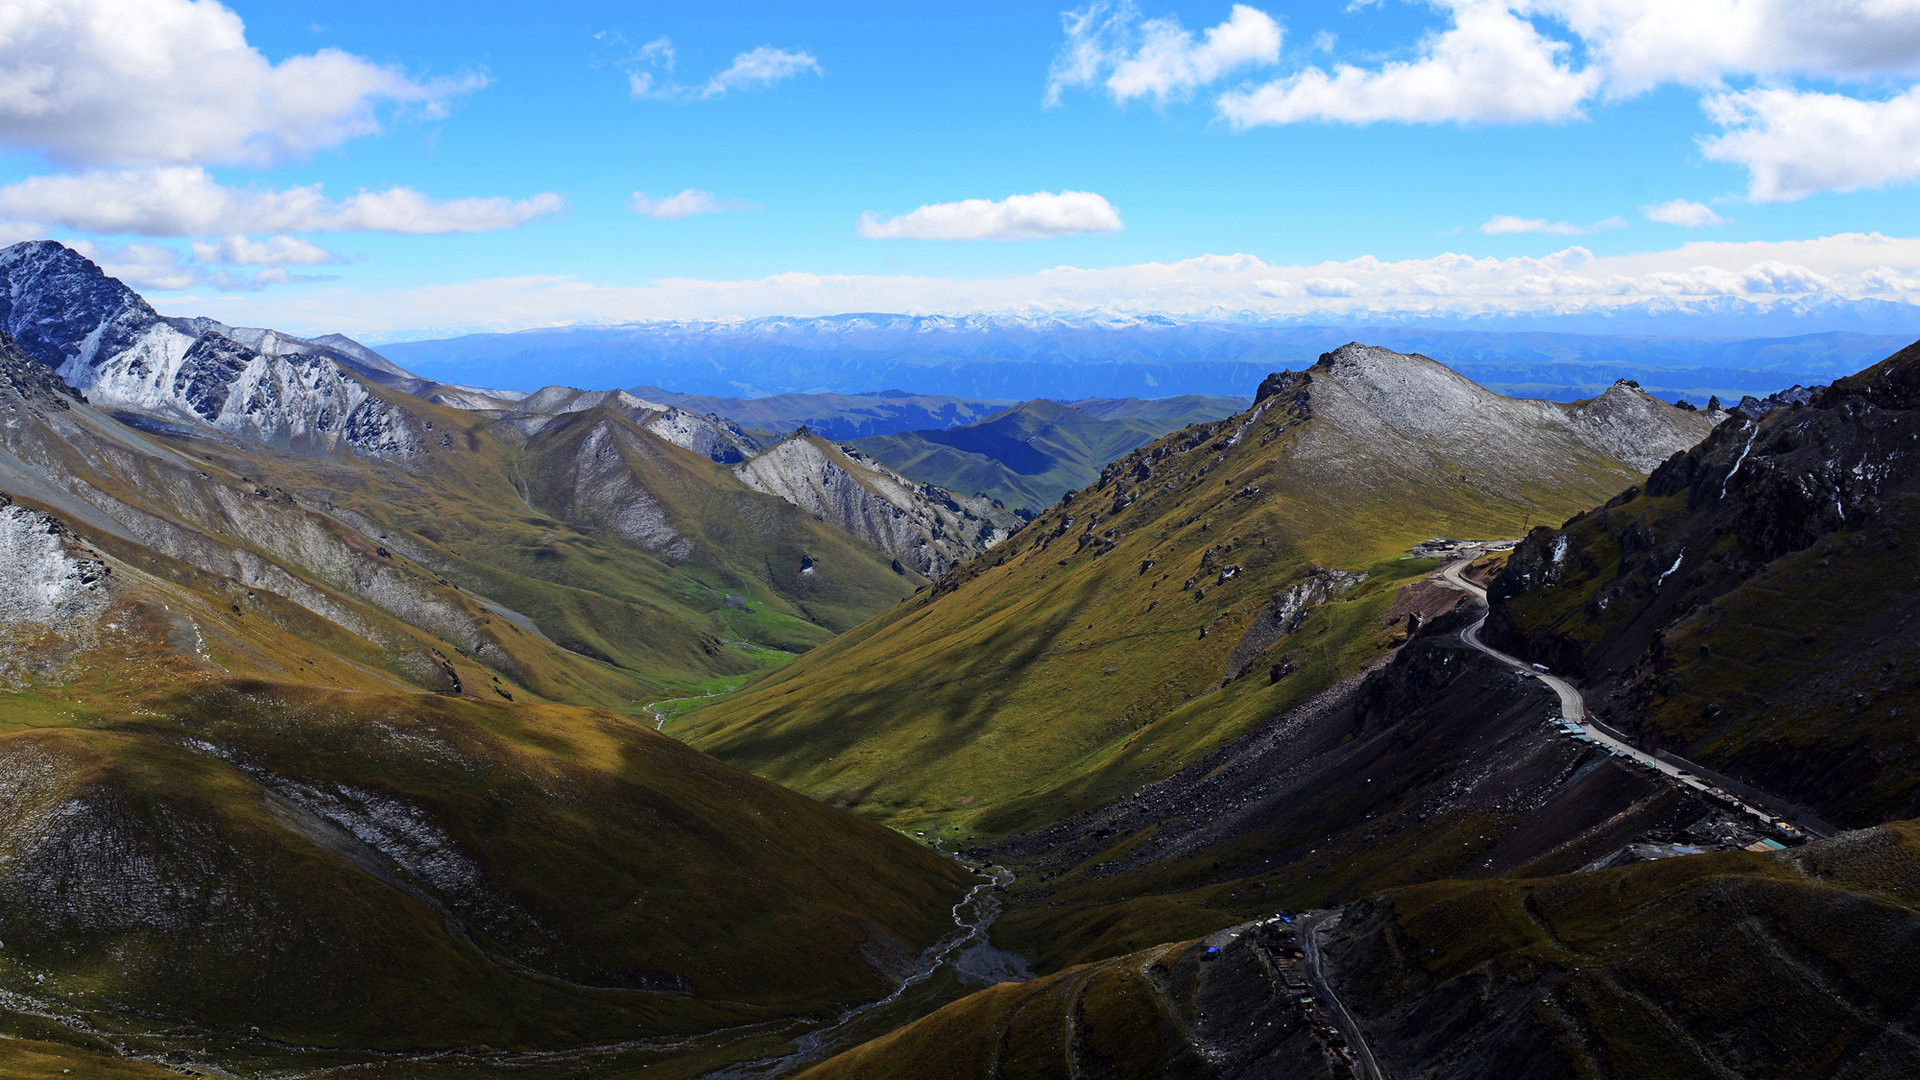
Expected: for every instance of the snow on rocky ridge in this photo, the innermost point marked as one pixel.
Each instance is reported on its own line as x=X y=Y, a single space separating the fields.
x=107 y=342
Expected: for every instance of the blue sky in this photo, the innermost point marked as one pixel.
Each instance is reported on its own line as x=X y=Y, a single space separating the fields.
x=1462 y=155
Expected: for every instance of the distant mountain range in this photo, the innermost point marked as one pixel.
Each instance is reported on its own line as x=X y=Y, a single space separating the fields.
x=1719 y=351
x=1027 y=456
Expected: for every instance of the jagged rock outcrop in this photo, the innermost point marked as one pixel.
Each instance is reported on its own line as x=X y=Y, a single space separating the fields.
x=923 y=526
x=108 y=343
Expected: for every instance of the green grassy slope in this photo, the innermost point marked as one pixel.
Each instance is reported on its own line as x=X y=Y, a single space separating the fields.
x=1102 y=646
x=276 y=755
x=1168 y=1011
x=488 y=527
x=1790 y=964
x=395 y=872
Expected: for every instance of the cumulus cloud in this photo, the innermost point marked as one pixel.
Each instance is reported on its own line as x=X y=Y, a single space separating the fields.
x=755 y=69
x=273 y=251
x=1507 y=61
x=1491 y=66
x=1639 y=44
x=1851 y=266
x=187 y=201
x=1530 y=61
x=686 y=204
x=1158 y=58
x=1016 y=217
x=1795 y=143
x=1681 y=212
x=106 y=82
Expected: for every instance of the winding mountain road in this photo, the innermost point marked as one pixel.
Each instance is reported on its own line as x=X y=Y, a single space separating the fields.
x=1574 y=707
x=1310 y=926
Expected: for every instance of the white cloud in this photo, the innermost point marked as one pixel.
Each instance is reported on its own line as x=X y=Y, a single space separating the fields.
x=1495 y=63
x=686 y=204
x=1156 y=57
x=273 y=251
x=658 y=51
x=1794 y=144
x=111 y=82
x=1506 y=224
x=144 y=266
x=1017 y=217
x=755 y=69
x=1334 y=286
x=186 y=201
x=1681 y=212
x=1490 y=66
x=1502 y=224
x=1523 y=61
x=759 y=68
x=1640 y=44
x=1852 y=265
x=160 y=268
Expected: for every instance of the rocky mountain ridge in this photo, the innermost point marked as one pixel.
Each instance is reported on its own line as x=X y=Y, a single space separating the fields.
x=706 y=434
x=923 y=526
x=106 y=342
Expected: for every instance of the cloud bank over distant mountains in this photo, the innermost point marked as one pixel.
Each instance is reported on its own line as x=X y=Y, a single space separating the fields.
x=1854 y=266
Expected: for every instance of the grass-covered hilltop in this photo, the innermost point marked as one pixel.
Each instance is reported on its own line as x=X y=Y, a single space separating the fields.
x=1200 y=585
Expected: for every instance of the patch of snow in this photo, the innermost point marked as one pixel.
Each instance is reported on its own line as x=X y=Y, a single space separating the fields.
x=1671 y=569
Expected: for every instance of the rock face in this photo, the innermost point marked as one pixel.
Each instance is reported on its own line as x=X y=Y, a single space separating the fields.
x=1751 y=603
x=1420 y=413
x=925 y=527
x=598 y=484
x=106 y=342
x=43 y=581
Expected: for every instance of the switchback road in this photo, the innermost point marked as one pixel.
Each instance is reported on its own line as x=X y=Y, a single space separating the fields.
x=1574 y=707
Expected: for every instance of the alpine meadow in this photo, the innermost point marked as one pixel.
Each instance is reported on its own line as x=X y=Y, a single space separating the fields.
x=849 y=541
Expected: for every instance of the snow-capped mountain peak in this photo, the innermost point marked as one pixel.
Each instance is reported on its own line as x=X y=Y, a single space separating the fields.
x=108 y=343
